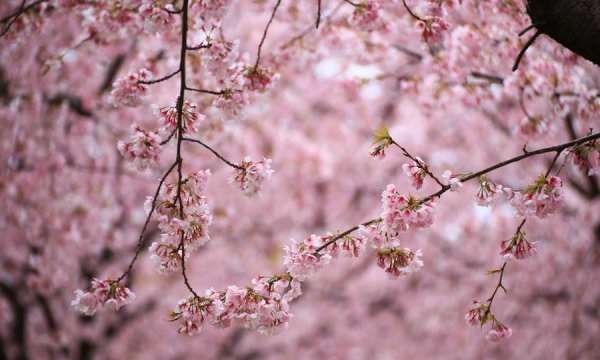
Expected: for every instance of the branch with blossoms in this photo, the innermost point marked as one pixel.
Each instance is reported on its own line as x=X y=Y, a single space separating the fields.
x=184 y=215
x=264 y=304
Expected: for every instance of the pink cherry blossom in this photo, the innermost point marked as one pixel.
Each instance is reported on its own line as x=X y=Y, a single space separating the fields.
x=300 y=260
x=190 y=117
x=416 y=172
x=498 y=332
x=542 y=198
x=518 y=246
x=251 y=175
x=402 y=213
x=193 y=313
x=366 y=16
x=476 y=316
x=102 y=292
x=587 y=157
x=397 y=261
x=128 y=91
x=453 y=181
x=143 y=148
x=432 y=29
x=488 y=190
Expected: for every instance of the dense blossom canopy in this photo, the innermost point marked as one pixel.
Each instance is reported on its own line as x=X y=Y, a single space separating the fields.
x=302 y=179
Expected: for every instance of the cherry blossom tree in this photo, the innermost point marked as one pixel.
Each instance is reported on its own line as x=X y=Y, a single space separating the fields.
x=299 y=179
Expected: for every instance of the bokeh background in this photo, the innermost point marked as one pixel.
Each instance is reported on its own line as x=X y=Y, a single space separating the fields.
x=71 y=207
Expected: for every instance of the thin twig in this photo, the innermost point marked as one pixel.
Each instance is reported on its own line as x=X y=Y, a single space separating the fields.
x=166 y=77
x=148 y=217
x=264 y=36
x=211 y=92
x=419 y=163
x=166 y=141
x=221 y=157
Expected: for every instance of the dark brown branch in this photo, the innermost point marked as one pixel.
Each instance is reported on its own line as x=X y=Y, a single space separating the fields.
x=524 y=49
x=546 y=150
x=179 y=159
x=318 y=22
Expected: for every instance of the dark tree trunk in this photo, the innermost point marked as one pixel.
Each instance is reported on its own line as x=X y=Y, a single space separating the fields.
x=573 y=23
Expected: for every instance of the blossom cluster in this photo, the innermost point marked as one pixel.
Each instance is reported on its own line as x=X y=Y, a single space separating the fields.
x=263 y=306
x=251 y=175
x=143 y=148
x=480 y=314
x=189 y=117
x=189 y=229
x=518 y=246
x=128 y=90
x=402 y=213
x=432 y=29
x=109 y=293
x=488 y=190
x=398 y=261
x=301 y=259
x=416 y=171
x=542 y=198
x=366 y=16
x=587 y=157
